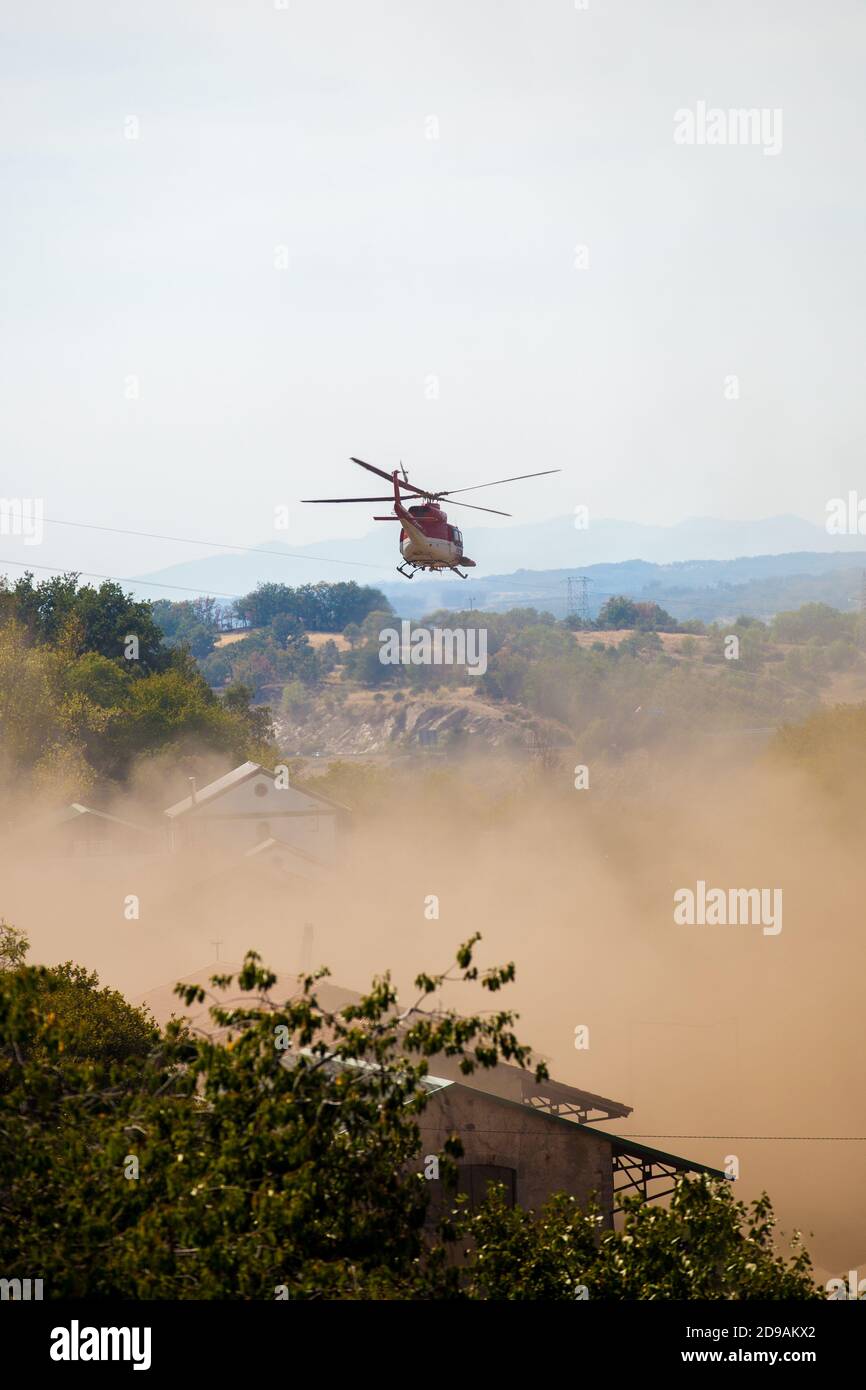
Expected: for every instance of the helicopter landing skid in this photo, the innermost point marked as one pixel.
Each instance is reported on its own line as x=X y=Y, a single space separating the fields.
x=410 y=573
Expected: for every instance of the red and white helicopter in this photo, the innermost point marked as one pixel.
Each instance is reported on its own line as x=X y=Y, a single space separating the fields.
x=427 y=541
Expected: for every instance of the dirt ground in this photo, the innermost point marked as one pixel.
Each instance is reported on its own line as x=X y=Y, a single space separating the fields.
x=671 y=641
x=315 y=639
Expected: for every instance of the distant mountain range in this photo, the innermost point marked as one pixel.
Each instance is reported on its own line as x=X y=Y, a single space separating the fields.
x=711 y=590
x=776 y=563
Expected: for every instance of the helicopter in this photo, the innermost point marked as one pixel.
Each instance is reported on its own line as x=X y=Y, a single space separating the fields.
x=427 y=540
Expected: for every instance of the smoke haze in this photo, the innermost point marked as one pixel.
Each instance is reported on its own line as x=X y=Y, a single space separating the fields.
x=714 y=1034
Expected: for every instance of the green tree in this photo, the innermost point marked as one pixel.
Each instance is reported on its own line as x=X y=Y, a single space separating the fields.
x=104 y=617
x=319 y=607
x=287 y=629
x=830 y=747
x=98 y=679
x=621 y=612
x=237 y=699
x=283 y=1152
x=191 y=622
x=618 y=612
x=31 y=697
x=365 y=666
x=71 y=714
x=217 y=668
x=177 y=709
x=14 y=945
x=95 y=1025
x=813 y=620
x=703 y=1245
x=295 y=699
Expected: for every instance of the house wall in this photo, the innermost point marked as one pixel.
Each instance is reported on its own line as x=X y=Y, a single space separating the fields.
x=245 y=815
x=87 y=835
x=549 y=1155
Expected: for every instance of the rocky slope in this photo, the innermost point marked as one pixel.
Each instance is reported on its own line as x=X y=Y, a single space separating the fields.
x=365 y=723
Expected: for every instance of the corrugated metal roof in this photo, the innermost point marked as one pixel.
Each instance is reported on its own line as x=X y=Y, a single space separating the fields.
x=620 y=1144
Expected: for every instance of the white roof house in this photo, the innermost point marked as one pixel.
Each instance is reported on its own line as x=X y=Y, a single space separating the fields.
x=251 y=805
x=279 y=857
x=79 y=829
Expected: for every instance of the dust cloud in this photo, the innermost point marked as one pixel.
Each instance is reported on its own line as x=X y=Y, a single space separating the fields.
x=726 y=1041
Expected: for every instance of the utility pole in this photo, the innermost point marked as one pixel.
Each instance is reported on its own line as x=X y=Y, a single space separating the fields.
x=307 y=949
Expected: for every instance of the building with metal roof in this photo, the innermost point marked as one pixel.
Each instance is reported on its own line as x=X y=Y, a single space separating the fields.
x=540 y=1138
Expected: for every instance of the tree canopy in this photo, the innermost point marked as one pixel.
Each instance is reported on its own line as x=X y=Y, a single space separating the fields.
x=320 y=607
x=279 y=1157
x=621 y=612
x=60 y=610
x=88 y=686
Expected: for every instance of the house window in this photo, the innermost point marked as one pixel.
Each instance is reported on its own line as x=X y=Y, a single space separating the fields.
x=260 y=789
x=475 y=1178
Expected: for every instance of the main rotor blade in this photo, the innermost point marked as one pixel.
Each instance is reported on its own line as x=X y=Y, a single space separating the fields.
x=371 y=468
x=348 y=499
x=387 y=476
x=497 y=482
x=476 y=508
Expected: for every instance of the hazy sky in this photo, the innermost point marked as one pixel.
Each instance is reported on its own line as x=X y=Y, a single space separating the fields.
x=333 y=210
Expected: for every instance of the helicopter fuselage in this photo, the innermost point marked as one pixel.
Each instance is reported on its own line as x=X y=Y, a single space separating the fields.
x=427 y=540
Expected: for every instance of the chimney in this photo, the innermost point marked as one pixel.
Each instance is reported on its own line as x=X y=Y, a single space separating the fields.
x=192 y=789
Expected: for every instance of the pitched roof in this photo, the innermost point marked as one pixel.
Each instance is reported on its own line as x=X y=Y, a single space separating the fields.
x=620 y=1143
x=272 y=843
x=222 y=784
x=291 y=859
x=518 y=1083
x=75 y=810
x=236 y=778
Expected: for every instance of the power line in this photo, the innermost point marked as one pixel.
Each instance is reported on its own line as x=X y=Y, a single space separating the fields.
x=611 y=1134
x=220 y=545
x=180 y=540
x=777 y=1138
x=112 y=578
